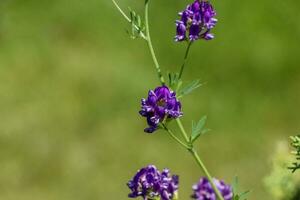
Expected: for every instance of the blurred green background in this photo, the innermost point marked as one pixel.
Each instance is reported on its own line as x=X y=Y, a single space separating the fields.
x=71 y=81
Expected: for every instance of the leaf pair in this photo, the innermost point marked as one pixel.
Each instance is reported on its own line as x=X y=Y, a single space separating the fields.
x=198 y=129
x=174 y=81
x=238 y=196
x=189 y=88
x=176 y=84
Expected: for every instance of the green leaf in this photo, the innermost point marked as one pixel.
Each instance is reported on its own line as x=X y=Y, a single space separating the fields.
x=178 y=86
x=137 y=26
x=174 y=81
x=242 y=196
x=189 y=88
x=198 y=129
x=238 y=196
x=235 y=184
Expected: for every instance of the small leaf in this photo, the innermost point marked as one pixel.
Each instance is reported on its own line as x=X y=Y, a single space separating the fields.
x=174 y=81
x=238 y=196
x=179 y=84
x=235 y=184
x=242 y=196
x=198 y=129
x=189 y=88
x=137 y=26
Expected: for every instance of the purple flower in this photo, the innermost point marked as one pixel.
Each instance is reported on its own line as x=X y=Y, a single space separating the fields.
x=204 y=191
x=196 y=21
x=161 y=104
x=181 y=31
x=149 y=183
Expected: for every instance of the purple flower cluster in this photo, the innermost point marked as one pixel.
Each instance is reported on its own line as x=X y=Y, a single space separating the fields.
x=196 y=20
x=161 y=104
x=204 y=191
x=149 y=183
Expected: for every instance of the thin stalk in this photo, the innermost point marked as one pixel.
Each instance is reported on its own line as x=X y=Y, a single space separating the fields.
x=185 y=58
x=200 y=163
x=127 y=18
x=160 y=76
x=198 y=160
x=175 y=138
x=195 y=155
x=182 y=129
x=121 y=11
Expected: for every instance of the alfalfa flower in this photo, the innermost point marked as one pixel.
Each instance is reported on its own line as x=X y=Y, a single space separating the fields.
x=149 y=183
x=161 y=104
x=196 y=22
x=203 y=190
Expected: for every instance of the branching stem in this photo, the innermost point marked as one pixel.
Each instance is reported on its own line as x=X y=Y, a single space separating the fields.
x=198 y=159
x=175 y=137
x=187 y=144
x=182 y=130
x=128 y=19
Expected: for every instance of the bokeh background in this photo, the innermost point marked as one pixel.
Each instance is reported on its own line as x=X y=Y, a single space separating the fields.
x=71 y=81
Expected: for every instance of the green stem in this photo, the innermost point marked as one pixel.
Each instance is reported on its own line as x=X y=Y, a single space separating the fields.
x=182 y=130
x=194 y=153
x=200 y=163
x=175 y=138
x=160 y=76
x=185 y=58
x=121 y=11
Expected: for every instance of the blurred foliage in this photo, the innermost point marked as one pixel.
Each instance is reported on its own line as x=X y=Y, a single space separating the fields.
x=71 y=81
x=281 y=183
x=296 y=152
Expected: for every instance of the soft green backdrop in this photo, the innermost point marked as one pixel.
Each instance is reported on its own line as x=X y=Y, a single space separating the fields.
x=71 y=80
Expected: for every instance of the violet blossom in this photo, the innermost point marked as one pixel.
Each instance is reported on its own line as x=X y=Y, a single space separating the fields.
x=161 y=104
x=203 y=190
x=196 y=22
x=149 y=183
